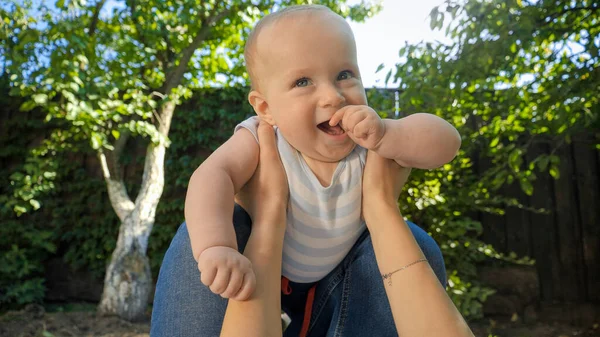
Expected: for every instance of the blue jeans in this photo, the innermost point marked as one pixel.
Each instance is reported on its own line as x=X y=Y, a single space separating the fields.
x=349 y=301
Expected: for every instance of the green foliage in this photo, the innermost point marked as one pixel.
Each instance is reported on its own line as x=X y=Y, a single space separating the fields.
x=516 y=74
x=467 y=296
x=106 y=74
x=81 y=216
x=24 y=244
x=73 y=218
x=384 y=100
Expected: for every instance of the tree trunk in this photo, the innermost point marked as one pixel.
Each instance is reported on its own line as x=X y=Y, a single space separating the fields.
x=128 y=280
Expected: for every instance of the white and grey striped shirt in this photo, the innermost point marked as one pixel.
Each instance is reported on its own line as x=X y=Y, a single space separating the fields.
x=323 y=223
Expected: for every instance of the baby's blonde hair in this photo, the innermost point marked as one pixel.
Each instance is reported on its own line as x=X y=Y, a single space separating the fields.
x=250 y=47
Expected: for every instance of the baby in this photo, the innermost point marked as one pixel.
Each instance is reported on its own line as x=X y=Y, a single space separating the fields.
x=306 y=83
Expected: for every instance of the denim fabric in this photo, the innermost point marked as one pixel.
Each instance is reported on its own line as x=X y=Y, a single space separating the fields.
x=350 y=301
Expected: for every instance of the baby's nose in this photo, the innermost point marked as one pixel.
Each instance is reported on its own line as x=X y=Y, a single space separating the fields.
x=332 y=97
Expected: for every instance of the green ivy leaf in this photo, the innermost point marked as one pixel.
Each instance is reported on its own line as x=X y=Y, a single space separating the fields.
x=494 y=142
x=40 y=99
x=35 y=204
x=526 y=186
x=433 y=18
x=554 y=171
x=96 y=140
x=27 y=106
x=543 y=163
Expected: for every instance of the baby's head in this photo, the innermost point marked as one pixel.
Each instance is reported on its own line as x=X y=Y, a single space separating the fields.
x=251 y=56
x=303 y=68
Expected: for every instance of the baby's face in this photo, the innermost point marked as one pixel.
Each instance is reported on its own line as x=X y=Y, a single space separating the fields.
x=307 y=70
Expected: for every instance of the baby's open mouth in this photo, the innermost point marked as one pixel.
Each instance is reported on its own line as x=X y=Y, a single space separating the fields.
x=332 y=130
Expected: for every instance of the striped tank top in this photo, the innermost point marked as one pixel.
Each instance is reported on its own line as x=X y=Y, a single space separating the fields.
x=323 y=223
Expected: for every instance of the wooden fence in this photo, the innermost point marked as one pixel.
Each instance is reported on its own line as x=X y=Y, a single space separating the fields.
x=565 y=242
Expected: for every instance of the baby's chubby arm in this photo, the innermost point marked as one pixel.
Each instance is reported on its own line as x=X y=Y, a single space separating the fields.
x=208 y=212
x=420 y=140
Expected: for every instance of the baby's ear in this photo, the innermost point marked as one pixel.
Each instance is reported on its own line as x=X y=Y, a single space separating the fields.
x=261 y=107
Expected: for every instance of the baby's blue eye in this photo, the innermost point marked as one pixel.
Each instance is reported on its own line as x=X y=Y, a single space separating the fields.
x=303 y=82
x=344 y=75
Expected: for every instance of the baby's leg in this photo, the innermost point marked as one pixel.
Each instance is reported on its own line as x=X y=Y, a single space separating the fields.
x=183 y=306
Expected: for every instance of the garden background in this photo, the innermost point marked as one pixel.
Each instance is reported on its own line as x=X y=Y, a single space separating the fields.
x=106 y=115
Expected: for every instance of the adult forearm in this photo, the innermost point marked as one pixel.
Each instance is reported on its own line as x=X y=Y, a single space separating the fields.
x=208 y=210
x=419 y=303
x=260 y=315
x=420 y=140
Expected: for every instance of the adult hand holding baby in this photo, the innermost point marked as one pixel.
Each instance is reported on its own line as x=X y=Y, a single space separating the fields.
x=383 y=181
x=268 y=187
x=265 y=197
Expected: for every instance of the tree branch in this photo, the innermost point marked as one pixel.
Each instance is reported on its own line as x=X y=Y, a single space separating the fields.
x=152 y=180
x=94 y=23
x=117 y=193
x=140 y=35
x=592 y=8
x=174 y=77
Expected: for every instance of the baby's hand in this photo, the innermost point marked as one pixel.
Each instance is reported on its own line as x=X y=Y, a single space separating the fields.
x=361 y=123
x=227 y=272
